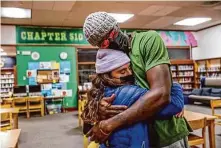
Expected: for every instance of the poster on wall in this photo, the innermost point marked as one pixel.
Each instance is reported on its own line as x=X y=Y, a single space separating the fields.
x=45 y=65
x=59 y=86
x=55 y=65
x=64 y=78
x=66 y=93
x=65 y=67
x=33 y=65
x=32 y=81
x=46 y=89
x=31 y=73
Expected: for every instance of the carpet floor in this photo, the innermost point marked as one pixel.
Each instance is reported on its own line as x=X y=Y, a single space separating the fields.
x=61 y=130
x=51 y=131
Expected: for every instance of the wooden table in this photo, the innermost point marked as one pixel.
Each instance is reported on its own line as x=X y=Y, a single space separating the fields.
x=14 y=112
x=192 y=116
x=9 y=139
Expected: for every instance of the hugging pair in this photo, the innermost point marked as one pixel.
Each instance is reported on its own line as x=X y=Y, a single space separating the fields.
x=114 y=76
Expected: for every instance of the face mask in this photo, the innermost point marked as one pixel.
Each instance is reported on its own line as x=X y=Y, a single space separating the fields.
x=129 y=78
x=121 y=42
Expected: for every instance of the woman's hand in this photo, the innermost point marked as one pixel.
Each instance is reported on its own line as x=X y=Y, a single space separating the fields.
x=180 y=115
x=106 y=110
x=100 y=132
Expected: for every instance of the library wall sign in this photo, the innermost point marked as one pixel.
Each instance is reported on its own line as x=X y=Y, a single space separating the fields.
x=40 y=35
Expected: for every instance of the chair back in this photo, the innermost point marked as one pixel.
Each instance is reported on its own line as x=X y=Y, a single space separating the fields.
x=19 y=100
x=214 y=104
x=35 y=100
x=198 y=124
x=5 y=116
x=6 y=119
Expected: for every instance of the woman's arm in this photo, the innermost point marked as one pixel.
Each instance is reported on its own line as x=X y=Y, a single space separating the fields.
x=177 y=102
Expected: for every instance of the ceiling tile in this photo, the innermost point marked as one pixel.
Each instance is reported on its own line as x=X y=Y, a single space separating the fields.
x=72 y=23
x=162 y=22
x=63 y=5
x=16 y=21
x=7 y=21
x=166 y=10
x=147 y=13
x=46 y=17
x=197 y=12
x=43 y=5
x=18 y=4
x=218 y=7
x=138 y=21
x=151 y=10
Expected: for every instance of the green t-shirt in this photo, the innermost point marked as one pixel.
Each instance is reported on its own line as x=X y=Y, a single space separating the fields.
x=148 y=51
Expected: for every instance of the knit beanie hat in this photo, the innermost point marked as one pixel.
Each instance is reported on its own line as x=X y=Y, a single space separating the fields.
x=109 y=59
x=97 y=25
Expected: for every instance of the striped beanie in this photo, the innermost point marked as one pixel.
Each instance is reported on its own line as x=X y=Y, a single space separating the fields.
x=97 y=25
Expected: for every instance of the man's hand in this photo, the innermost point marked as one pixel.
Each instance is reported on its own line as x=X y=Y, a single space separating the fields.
x=180 y=115
x=106 y=110
x=100 y=132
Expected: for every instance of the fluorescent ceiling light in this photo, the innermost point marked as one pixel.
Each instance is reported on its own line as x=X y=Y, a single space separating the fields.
x=3 y=53
x=192 y=21
x=121 y=17
x=15 y=12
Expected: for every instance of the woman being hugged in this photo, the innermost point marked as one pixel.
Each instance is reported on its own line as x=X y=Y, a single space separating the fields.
x=114 y=76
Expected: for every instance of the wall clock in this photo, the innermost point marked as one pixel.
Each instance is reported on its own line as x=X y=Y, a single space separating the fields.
x=63 y=55
x=35 y=55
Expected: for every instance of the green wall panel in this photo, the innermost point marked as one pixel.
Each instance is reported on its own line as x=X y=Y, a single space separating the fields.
x=47 y=54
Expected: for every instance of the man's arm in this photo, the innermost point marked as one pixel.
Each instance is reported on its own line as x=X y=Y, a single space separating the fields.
x=148 y=105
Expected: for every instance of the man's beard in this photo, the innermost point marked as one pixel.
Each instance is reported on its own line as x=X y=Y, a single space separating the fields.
x=121 y=42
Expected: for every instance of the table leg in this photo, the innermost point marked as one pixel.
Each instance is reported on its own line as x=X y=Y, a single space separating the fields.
x=15 y=118
x=45 y=109
x=211 y=128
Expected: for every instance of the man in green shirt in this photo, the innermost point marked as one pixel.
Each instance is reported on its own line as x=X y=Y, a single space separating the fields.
x=150 y=64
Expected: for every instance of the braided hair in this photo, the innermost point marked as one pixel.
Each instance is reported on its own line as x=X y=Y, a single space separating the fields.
x=90 y=114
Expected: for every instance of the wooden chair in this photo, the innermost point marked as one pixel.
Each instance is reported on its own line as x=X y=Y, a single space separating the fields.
x=6 y=119
x=214 y=104
x=8 y=101
x=193 y=139
x=88 y=144
x=22 y=104
x=81 y=103
x=36 y=104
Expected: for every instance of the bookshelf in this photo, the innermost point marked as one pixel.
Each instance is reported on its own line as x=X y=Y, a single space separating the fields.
x=183 y=73
x=207 y=68
x=86 y=64
x=8 y=79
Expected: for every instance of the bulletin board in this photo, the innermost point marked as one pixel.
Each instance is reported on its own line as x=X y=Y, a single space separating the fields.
x=49 y=61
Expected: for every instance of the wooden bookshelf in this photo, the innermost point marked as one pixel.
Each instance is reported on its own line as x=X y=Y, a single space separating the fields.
x=86 y=58
x=183 y=72
x=207 y=68
x=7 y=80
